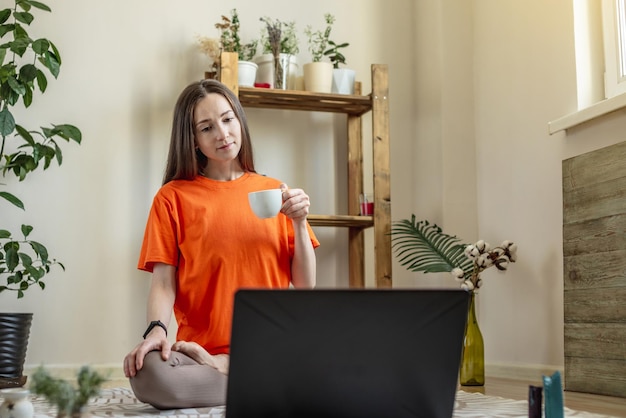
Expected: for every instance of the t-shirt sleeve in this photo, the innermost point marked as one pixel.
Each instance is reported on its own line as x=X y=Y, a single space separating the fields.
x=314 y=239
x=160 y=242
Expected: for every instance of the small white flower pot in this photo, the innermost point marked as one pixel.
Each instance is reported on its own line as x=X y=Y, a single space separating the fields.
x=246 y=73
x=343 y=81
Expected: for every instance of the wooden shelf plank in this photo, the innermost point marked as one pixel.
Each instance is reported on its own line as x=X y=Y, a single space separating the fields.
x=341 y=221
x=304 y=100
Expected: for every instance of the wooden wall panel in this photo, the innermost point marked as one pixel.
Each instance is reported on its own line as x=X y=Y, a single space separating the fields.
x=594 y=266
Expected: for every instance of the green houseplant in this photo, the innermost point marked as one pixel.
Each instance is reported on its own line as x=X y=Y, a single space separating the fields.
x=278 y=64
x=318 y=74
x=318 y=39
x=230 y=41
x=288 y=37
x=334 y=55
x=422 y=246
x=24 y=262
x=69 y=399
x=343 y=78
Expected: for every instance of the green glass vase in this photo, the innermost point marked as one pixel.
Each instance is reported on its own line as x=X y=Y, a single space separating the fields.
x=472 y=372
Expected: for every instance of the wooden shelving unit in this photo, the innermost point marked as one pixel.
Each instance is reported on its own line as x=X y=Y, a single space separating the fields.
x=354 y=106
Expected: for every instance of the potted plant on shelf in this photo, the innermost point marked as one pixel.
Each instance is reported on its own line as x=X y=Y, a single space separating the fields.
x=318 y=74
x=343 y=78
x=212 y=49
x=278 y=64
x=24 y=262
x=231 y=42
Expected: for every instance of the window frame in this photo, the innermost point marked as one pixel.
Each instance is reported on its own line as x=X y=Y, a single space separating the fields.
x=614 y=39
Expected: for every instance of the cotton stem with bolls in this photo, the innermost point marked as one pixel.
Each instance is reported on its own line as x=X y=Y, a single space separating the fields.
x=483 y=257
x=423 y=246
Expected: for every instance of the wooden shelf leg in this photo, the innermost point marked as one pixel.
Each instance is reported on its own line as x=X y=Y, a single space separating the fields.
x=382 y=189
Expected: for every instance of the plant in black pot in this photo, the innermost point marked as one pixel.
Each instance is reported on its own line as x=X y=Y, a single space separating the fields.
x=24 y=262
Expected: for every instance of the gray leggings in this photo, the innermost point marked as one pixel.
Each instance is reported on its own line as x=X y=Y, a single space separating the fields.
x=179 y=382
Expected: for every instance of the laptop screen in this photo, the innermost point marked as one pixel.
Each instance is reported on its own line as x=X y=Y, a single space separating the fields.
x=345 y=353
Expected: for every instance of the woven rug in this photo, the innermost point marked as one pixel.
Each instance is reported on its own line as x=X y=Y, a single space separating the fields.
x=122 y=403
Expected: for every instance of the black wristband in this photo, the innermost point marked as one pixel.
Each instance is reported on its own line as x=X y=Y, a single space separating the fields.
x=152 y=325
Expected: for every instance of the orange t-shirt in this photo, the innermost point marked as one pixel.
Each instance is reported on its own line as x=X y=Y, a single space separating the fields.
x=207 y=229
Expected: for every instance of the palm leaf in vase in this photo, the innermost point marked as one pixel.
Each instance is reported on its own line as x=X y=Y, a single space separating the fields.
x=422 y=246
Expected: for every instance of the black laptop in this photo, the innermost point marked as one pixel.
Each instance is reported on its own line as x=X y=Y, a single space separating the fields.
x=345 y=353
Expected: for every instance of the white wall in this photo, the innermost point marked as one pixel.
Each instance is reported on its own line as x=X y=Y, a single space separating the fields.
x=491 y=75
x=525 y=76
x=124 y=63
x=473 y=85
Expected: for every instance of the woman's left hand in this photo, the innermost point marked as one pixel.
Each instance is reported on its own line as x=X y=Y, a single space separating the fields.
x=295 y=203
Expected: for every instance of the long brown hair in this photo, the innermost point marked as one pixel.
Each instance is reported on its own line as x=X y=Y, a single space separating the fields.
x=184 y=162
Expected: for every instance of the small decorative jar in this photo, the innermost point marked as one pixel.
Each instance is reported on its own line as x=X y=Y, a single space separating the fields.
x=16 y=403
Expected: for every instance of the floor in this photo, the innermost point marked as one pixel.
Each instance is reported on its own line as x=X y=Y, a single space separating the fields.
x=518 y=389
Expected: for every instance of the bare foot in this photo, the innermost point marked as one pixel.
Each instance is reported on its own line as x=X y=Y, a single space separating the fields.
x=199 y=354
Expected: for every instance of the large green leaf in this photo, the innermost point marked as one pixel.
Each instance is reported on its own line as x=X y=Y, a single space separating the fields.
x=7 y=122
x=38 y=5
x=42 y=81
x=5 y=14
x=28 y=96
x=52 y=62
x=27 y=261
x=421 y=246
x=6 y=28
x=40 y=46
x=16 y=85
x=12 y=258
x=12 y=199
x=25 y=135
x=26 y=230
x=65 y=131
x=23 y=17
x=28 y=72
x=40 y=250
x=20 y=45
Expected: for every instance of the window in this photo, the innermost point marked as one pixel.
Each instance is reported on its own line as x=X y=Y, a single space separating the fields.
x=614 y=31
x=600 y=42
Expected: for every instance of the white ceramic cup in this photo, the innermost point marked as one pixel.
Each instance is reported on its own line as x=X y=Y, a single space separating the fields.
x=266 y=203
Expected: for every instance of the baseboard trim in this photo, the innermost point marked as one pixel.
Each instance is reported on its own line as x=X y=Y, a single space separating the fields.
x=529 y=372
x=113 y=372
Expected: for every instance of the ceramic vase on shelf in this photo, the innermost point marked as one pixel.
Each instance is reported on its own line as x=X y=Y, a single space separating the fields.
x=318 y=77
x=343 y=80
x=266 y=74
x=16 y=403
x=472 y=371
x=246 y=73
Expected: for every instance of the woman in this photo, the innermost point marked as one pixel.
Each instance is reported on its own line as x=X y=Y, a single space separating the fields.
x=202 y=243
